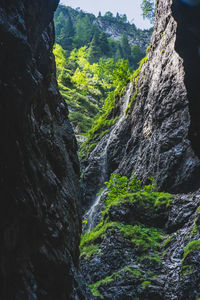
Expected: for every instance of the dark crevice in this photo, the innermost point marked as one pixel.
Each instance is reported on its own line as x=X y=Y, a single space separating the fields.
x=188 y=47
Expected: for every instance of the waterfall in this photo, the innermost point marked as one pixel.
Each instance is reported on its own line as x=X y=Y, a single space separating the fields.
x=90 y=216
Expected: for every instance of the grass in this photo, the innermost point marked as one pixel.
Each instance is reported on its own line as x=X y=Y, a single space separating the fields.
x=88 y=251
x=95 y=287
x=122 y=191
x=195 y=229
x=192 y=246
x=167 y=241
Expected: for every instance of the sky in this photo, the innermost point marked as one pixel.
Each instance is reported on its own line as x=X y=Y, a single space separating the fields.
x=129 y=7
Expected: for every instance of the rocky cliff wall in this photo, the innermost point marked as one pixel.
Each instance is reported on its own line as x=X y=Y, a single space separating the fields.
x=39 y=170
x=142 y=251
x=159 y=136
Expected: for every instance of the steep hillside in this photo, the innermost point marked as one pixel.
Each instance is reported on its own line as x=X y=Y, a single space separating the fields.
x=139 y=241
x=89 y=53
x=109 y=36
x=87 y=87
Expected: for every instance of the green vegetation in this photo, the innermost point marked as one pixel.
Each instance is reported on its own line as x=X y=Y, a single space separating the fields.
x=186 y=270
x=106 y=118
x=167 y=241
x=84 y=87
x=75 y=29
x=143 y=238
x=93 y=70
x=132 y=272
x=121 y=191
x=148 y=9
x=150 y=258
x=129 y=271
x=88 y=251
x=94 y=287
x=146 y=241
x=145 y=284
x=192 y=246
x=195 y=229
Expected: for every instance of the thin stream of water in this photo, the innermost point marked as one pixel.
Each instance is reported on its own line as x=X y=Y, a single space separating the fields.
x=91 y=213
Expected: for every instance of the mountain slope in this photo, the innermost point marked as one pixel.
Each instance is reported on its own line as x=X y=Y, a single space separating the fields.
x=114 y=35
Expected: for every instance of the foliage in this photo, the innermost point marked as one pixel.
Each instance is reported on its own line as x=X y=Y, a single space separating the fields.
x=145 y=284
x=127 y=271
x=120 y=190
x=94 y=287
x=75 y=29
x=78 y=79
x=148 y=10
x=146 y=241
x=195 y=229
x=119 y=77
x=88 y=251
x=143 y=238
x=167 y=241
x=192 y=246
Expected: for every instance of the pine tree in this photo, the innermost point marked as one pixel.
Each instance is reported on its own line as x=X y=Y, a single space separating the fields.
x=94 y=51
x=67 y=34
x=103 y=43
x=83 y=31
x=126 y=49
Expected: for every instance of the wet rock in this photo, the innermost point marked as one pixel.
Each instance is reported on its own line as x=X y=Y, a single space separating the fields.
x=154 y=138
x=160 y=138
x=40 y=221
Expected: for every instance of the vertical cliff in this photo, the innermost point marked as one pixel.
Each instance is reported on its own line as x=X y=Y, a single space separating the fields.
x=146 y=244
x=159 y=136
x=39 y=170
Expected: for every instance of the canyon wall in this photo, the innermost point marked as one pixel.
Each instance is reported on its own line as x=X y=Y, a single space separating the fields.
x=160 y=135
x=145 y=247
x=40 y=220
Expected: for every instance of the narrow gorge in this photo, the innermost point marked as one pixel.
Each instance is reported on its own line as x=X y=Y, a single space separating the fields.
x=116 y=214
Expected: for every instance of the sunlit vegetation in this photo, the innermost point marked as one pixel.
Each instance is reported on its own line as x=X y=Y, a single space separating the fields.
x=84 y=86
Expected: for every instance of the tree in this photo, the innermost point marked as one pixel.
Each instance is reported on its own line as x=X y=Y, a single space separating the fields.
x=83 y=31
x=103 y=43
x=148 y=10
x=126 y=48
x=109 y=15
x=117 y=16
x=67 y=34
x=124 y=18
x=99 y=15
x=94 y=51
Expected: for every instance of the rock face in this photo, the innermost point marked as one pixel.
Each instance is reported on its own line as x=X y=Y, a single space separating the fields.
x=39 y=170
x=159 y=137
x=116 y=30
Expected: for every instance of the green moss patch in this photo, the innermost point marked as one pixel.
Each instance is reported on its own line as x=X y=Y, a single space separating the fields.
x=192 y=246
